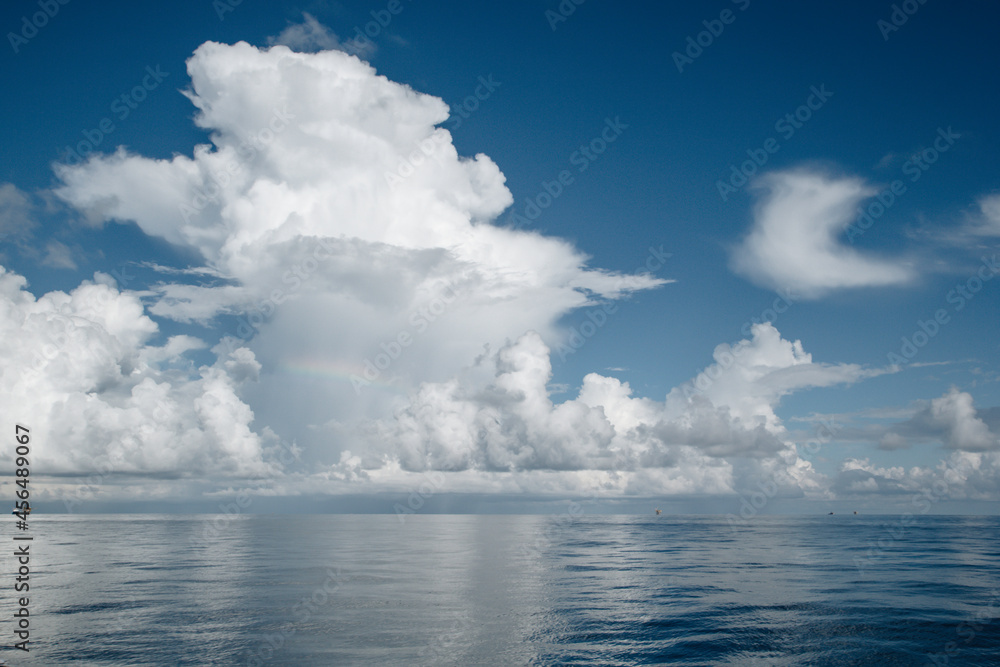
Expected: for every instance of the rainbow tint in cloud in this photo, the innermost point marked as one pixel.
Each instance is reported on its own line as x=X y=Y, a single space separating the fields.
x=336 y=370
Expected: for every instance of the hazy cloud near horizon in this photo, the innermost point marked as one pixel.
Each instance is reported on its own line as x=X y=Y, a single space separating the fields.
x=390 y=327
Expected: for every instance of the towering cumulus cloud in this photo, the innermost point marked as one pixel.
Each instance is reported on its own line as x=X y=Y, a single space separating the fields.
x=355 y=244
x=365 y=305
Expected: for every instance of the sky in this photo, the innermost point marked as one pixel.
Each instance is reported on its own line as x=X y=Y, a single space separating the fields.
x=728 y=257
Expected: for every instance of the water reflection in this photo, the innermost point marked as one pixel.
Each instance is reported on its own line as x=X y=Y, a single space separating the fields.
x=504 y=590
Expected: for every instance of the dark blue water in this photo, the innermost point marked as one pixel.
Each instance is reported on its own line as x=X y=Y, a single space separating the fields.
x=509 y=590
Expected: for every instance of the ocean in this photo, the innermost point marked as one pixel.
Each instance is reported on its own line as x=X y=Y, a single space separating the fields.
x=570 y=589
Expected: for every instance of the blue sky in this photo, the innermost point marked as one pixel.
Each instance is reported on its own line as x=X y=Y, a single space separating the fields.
x=910 y=108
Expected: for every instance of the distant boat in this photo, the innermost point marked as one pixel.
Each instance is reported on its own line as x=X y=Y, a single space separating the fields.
x=831 y=513
x=657 y=512
x=26 y=510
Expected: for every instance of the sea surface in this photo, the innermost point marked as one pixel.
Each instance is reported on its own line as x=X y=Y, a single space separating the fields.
x=464 y=590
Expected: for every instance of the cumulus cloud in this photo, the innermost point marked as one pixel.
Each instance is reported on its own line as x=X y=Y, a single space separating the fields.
x=793 y=242
x=716 y=436
x=80 y=371
x=961 y=476
x=338 y=216
x=951 y=419
x=955 y=415
x=370 y=309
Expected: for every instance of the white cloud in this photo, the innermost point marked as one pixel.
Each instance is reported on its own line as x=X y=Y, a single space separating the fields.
x=310 y=35
x=341 y=216
x=793 y=243
x=498 y=417
x=950 y=420
x=954 y=415
x=78 y=369
x=336 y=219
x=751 y=376
x=962 y=476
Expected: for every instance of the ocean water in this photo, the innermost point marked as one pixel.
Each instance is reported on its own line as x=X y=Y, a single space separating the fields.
x=508 y=590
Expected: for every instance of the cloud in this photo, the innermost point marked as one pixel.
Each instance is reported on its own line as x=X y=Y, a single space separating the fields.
x=58 y=255
x=367 y=307
x=498 y=417
x=953 y=419
x=955 y=414
x=16 y=214
x=310 y=35
x=962 y=476
x=752 y=375
x=985 y=225
x=79 y=370
x=860 y=477
x=793 y=243
x=950 y=420
x=988 y=222
x=977 y=231
x=336 y=216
